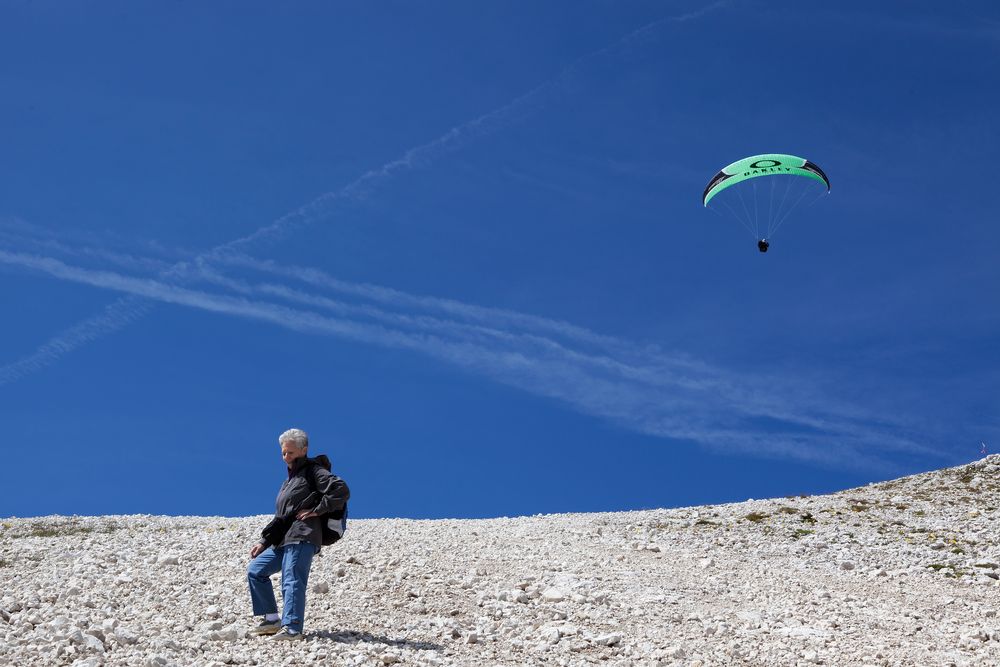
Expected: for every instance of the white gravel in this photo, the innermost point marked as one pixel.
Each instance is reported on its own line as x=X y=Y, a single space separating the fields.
x=899 y=573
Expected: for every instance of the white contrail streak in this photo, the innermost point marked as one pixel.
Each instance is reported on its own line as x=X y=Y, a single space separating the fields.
x=496 y=317
x=617 y=358
x=603 y=355
x=701 y=411
x=128 y=309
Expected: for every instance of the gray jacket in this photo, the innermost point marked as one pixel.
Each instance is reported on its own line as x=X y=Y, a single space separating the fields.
x=330 y=495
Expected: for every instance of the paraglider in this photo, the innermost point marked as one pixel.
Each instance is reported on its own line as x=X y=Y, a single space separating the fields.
x=792 y=178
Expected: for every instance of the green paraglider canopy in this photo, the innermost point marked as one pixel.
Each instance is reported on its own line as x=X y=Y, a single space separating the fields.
x=791 y=181
x=769 y=164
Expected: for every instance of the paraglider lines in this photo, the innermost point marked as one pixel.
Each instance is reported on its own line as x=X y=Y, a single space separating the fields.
x=747 y=210
x=733 y=213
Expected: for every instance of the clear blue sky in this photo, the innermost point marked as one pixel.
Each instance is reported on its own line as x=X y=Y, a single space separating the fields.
x=462 y=245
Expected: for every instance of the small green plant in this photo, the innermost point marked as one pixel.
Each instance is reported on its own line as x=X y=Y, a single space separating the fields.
x=808 y=518
x=706 y=522
x=801 y=532
x=920 y=513
x=755 y=517
x=788 y=510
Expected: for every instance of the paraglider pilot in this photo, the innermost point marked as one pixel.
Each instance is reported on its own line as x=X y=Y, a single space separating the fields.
x=763 y=245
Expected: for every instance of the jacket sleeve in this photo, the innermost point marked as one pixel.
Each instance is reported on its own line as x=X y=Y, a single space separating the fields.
x=333 y=490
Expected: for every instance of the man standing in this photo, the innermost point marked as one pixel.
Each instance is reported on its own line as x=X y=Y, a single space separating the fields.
x=309 y=492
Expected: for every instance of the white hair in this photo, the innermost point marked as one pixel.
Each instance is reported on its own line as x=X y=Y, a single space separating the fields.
x=295 y=436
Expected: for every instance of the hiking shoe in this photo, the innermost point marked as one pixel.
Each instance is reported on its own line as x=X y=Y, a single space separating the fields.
x=267 y=628
x=286 y=635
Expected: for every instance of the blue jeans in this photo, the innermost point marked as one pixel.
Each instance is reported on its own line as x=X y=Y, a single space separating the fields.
x=294 y=561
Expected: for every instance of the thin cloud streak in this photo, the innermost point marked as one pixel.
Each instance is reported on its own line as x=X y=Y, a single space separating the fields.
x=494 y=317
x=451 y=141
x=598 y=386
x=53 y=246
x=617 y=358
x=126 y=310
x=620 y=359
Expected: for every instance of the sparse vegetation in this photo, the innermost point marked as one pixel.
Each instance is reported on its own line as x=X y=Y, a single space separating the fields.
x=64 y=529
x=706 y=522
x=755 y=517
x=788 y=510
x=808 y=518
x=801 y=532
x=944 y=568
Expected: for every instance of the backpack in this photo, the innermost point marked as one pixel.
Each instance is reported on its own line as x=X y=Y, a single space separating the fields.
x=334 y=523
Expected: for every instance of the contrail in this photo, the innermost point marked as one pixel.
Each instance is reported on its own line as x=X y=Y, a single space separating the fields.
x=705 y=412
x=602 y=355
x=128 y=309
x=395 y=298
x=647 y=364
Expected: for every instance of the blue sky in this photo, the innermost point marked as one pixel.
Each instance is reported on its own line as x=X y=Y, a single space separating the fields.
x=462 y=245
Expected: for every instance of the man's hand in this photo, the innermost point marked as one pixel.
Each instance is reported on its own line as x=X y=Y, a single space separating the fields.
x=305 y=514
x=256 y=550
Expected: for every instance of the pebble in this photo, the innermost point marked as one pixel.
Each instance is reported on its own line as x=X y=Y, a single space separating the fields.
x=553 y=595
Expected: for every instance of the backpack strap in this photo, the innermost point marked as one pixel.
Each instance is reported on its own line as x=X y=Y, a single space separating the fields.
x=310 y=475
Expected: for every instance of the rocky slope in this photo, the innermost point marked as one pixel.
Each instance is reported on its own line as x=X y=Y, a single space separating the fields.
x=898 y=573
